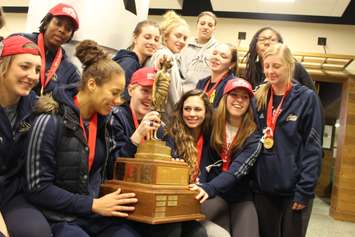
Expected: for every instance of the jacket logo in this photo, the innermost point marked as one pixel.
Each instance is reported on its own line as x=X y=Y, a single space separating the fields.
x=24 y=127
x=292 y=117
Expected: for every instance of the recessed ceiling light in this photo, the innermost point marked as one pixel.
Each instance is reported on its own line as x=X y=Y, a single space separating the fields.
x=285 y=1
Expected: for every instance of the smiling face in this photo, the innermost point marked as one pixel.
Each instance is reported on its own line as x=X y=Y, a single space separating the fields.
x=194 y=112
x=276 y=70
x=237 y=103
x=205 y=28
x=141 y=99
x=58 y=31
x=147 y=42
x=176 y=39
x=108 y=95
x=23 y=74
x=220 y=59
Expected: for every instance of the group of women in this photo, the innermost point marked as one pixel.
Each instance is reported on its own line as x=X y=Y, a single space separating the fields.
x=253 y=145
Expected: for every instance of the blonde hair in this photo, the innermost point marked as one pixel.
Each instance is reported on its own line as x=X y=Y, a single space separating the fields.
x=220 y=117
x=285 y=53
x=170 y=22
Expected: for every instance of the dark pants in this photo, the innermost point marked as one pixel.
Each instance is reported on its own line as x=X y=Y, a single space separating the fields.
x=95 y=226
x=161 y=230
x=238 y=218
x=277 y=219
x=24 y=220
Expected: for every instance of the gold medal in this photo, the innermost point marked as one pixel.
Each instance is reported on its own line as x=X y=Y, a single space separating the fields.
x=268 y=142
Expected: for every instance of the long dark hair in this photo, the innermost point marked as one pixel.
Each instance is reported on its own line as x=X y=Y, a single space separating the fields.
x=178 y=130
x=251 y=73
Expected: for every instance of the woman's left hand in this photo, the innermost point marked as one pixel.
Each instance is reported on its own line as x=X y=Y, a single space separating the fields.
x=296 y=206
x=202 y=195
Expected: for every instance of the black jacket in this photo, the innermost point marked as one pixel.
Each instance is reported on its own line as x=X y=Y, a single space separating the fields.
x=58 y=178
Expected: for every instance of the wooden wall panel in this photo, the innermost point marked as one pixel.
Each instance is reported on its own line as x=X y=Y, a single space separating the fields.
x=343 y=193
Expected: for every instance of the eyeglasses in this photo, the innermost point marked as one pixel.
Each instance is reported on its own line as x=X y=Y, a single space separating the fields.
x=264 y=39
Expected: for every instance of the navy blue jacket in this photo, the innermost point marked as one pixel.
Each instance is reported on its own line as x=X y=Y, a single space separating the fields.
x=234 y=184
x=42 y=167
x=201 y=84
x=129 y=62
x=292 y=166
x=66 y=74
x=13 y=144
x=122 y=128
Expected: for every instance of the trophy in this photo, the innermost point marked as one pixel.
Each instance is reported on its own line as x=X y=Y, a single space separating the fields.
x=160 y=183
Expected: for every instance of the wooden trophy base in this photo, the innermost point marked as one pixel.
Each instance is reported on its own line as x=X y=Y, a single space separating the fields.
x=160 y=184
x=158 y=204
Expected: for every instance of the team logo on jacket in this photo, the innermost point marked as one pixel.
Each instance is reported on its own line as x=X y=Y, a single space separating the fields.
x=24 y=127
x=292 y=118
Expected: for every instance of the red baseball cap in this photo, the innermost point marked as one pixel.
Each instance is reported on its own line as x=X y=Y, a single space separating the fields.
x=144 y=76
x=238 y=83
x=15 y=44
x=62 y=9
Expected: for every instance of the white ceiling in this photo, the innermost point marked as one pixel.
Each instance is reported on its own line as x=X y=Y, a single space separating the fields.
x=332 y=8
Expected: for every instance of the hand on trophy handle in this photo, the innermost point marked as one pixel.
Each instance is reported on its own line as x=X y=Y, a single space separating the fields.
x=161 y=60
x=149 y=123
x=115 y=204
x=202 y=195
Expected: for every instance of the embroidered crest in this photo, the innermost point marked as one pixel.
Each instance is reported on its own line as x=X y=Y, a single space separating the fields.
x=292 y=117
x=24 y=127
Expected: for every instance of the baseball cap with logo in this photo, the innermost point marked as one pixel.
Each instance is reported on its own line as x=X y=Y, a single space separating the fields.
x=62 y=9
x=144 y=76
x=238 y=83
x=17 y=44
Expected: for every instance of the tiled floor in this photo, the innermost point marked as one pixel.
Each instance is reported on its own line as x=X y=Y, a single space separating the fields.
x=322 y=225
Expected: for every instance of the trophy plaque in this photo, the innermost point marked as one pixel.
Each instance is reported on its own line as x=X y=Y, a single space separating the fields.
x=160 y=184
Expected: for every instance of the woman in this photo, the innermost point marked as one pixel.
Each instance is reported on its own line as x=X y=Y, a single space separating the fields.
x=223 y=64
x=20 y=65
x=193 y=61
x=68 y=152
x=189 y=133
x=288 y=168
x=146 y=39
x=174 y=31
x=261 y=40
x=235 y=146
x=56 y=29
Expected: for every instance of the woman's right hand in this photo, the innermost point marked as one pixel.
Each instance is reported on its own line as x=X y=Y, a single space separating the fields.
x=202 y=194
x=149 y=124
x=115 y=204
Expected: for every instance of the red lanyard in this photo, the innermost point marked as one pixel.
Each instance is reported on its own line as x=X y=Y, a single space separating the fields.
x=54 y=66
x=212 y=92
x=273 y=116
x=135 y=121
x=200 y=142
x=134 y=117
x=225 y=153
x=92 y=134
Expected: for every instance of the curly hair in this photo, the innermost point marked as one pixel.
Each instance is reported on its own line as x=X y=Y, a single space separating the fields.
x=181 y=133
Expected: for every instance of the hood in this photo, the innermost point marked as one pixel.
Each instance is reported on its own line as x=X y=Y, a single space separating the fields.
x=124 y=53
x=61 y=95
x=209 y=44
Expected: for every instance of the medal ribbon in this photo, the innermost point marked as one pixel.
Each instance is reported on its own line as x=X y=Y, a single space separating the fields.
x=200 y=143
x=92 y=134
x=54 y=66
x=272 y=117
x=225 y=153
x=212 y=90
x=135 y=121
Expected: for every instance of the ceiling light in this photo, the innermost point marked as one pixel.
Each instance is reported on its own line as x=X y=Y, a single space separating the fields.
x=282 y=1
